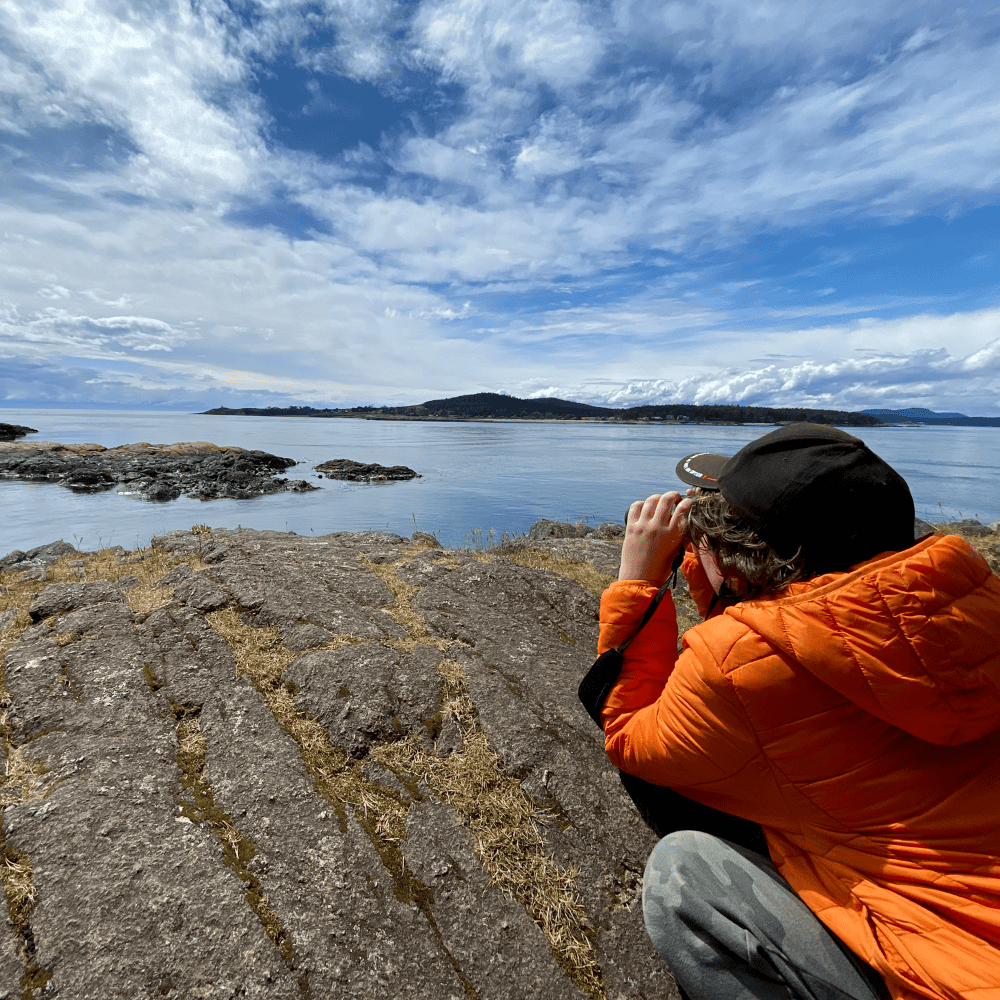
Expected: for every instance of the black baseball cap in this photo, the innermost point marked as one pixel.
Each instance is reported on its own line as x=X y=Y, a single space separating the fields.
x=811 y=487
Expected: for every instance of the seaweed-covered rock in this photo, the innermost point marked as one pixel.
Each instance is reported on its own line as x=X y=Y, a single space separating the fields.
x=362 y=472
x=11 y=432
x=154 y=472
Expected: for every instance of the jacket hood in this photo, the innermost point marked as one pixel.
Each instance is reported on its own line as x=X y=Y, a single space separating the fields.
x=911 y=637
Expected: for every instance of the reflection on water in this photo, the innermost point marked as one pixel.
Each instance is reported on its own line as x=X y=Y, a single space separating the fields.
x=500 y=476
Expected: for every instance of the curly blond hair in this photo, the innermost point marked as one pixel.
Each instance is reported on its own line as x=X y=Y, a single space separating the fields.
x=750 y=567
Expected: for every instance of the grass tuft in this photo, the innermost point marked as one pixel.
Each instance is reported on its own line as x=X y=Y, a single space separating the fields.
x=501 y=819
x=578 y=570
x=22 y=781
x=149 y=564
x=402 y=612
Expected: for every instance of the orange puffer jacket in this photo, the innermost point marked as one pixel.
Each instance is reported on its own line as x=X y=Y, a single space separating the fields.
x=856 y=718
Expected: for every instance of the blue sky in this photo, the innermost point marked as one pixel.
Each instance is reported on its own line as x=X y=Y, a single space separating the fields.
x=338 y=202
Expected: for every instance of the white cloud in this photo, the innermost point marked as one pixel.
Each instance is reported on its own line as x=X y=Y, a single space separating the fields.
x=149 y=74
x=487 y=43
x=583 y=143
x=54 y=328
x=923 y=377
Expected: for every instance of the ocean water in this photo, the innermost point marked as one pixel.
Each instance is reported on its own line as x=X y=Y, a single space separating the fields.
x=476 y=478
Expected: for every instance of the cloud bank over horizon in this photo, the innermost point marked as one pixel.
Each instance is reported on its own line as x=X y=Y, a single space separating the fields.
x=339 y=202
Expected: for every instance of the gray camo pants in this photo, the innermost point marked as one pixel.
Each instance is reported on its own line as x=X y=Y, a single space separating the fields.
x=731 y=928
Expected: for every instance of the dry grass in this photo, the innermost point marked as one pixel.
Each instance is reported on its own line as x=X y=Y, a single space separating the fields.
x=578 y=570
x=501 y=819
x=262 y=656
x=22 y=781
x=402 y=612
x=237 y=850
x=988 y=546
x=148 y=564
x=499 y=815
x=421 y=545
x=16 y=871
x=17 y=595
x=22 y=778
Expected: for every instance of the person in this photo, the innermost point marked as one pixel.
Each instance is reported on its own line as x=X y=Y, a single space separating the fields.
x=826 y=745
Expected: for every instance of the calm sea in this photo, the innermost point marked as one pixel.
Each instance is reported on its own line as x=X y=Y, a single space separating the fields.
x=475 y=477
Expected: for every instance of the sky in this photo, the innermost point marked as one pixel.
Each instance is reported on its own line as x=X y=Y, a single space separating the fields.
x=347 y=202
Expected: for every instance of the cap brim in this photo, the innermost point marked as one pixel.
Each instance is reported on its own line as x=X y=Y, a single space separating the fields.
x=702 y=469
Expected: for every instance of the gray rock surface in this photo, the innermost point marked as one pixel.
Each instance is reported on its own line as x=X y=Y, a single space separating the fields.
x=152 y=471
x=40 y=557
x=252 y=764
x=546 y=529
x=968 y=526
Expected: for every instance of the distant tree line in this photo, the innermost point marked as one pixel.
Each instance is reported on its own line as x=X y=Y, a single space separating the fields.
x=497 y=406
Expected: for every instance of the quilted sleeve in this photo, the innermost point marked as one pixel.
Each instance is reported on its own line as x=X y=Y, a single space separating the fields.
x=677 y=721
x=651 y=654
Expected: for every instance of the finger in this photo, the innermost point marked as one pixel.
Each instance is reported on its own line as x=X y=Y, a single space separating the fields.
x=644 y=508
x=633 y=512
x=685 y=505
x=665 y=505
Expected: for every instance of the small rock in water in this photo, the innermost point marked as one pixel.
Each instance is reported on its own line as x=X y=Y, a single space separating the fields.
x=345 y=468
x=10 y=432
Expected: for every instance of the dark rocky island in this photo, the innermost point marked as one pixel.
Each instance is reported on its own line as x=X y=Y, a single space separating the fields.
x=11 y=432
x=361 y=472
x=152 y=471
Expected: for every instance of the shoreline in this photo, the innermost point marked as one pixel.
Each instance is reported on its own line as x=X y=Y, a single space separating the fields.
x=641 y=422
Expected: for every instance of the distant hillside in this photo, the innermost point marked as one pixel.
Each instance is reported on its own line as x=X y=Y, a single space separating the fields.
x=493 y=405
x=915 y=413
x=925 y=416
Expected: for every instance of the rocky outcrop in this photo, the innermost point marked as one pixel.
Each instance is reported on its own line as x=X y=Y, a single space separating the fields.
x=32 y=565
x=545 y=529
x=970 y=526
x=345 y=468
x=152 y=471
x=252 y=764
x=11 y=432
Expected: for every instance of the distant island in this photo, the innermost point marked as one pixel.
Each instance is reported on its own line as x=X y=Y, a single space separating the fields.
x=495 y=406
x=920 y=415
